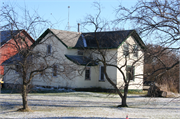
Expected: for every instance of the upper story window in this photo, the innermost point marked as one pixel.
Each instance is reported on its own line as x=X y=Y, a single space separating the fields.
x=130 y=72
x=87 y=73
x=135 y=50
x=17 y=68
x=125 y=49
x=49 y=48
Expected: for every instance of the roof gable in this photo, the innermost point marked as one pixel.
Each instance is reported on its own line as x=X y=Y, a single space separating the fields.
x=67 y=38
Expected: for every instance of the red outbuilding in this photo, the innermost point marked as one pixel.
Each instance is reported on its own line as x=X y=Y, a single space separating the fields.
x=11 y=41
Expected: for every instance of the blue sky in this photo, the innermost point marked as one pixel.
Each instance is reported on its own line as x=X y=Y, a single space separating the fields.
x=57 y=10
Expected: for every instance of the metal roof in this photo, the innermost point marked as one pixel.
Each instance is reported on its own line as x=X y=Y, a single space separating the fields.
x=13 y=60
x=81 y=60
x=111 y=39
x=5 y=36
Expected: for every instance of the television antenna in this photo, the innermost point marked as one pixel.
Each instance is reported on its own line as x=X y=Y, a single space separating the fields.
x=68 y=18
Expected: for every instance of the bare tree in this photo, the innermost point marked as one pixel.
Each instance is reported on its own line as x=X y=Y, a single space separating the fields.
x=30 y=60
x=158 y=19
x=156 y=59
x=120 y=58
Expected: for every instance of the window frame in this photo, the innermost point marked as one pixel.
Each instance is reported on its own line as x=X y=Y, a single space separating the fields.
x=133 y=72
x=49 y=49
x=17 y=68
x=135 y=50
x=125 y=51
x=100 y=74
x=54 y=71
x=88 y=68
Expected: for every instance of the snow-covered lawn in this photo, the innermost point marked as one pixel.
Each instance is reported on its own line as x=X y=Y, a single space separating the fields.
x=88 y=105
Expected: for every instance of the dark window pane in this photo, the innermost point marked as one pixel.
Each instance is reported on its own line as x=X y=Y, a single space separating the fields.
x=42 y=68
x=49 y=49
x=102 y=73
x=87 y=74
x=135 y=50
x=54 y=70
x=125 y=49
x=130 y=72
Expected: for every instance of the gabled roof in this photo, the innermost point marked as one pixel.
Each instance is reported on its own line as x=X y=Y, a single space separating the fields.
x=7 y=35
x=67 y=38
x=107 y=40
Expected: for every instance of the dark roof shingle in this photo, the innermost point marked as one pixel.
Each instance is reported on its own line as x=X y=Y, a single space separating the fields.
x=111 y=39
x=13 y=60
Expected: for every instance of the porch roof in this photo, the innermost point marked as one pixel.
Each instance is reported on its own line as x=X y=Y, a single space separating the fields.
x=81 y=60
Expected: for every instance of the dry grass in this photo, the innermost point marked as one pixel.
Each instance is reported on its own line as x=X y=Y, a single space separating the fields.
x=169 y=87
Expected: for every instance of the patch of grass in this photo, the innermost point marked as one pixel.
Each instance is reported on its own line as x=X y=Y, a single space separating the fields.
x=137 y=92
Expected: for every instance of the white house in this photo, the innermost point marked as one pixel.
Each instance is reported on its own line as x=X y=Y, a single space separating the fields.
x=81 y=50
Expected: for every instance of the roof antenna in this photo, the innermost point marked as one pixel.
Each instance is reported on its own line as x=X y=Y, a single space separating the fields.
x=68 y=19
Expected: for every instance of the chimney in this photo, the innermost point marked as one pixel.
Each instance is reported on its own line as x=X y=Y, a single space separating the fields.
x=78 y=27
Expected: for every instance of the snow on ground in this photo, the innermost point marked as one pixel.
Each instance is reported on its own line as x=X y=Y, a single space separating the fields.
x=85 y=105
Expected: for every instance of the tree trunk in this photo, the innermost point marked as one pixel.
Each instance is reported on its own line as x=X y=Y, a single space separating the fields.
x=24 y=97
x=124 y=104
x=124 y=98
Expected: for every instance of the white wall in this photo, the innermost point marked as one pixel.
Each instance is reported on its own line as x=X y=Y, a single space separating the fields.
x=138 y=81
x=78 y=81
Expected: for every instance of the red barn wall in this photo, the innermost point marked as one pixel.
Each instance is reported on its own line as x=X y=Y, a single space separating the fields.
x=10 y=48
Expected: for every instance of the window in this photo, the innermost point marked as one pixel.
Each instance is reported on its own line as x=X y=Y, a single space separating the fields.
x=87 y=73
x=41 y=68
x=48 y=49
x=126 y=49
x=54 y=70
x=135 y=50
x=101 y=73
x=17 y=68
x=130 y=72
